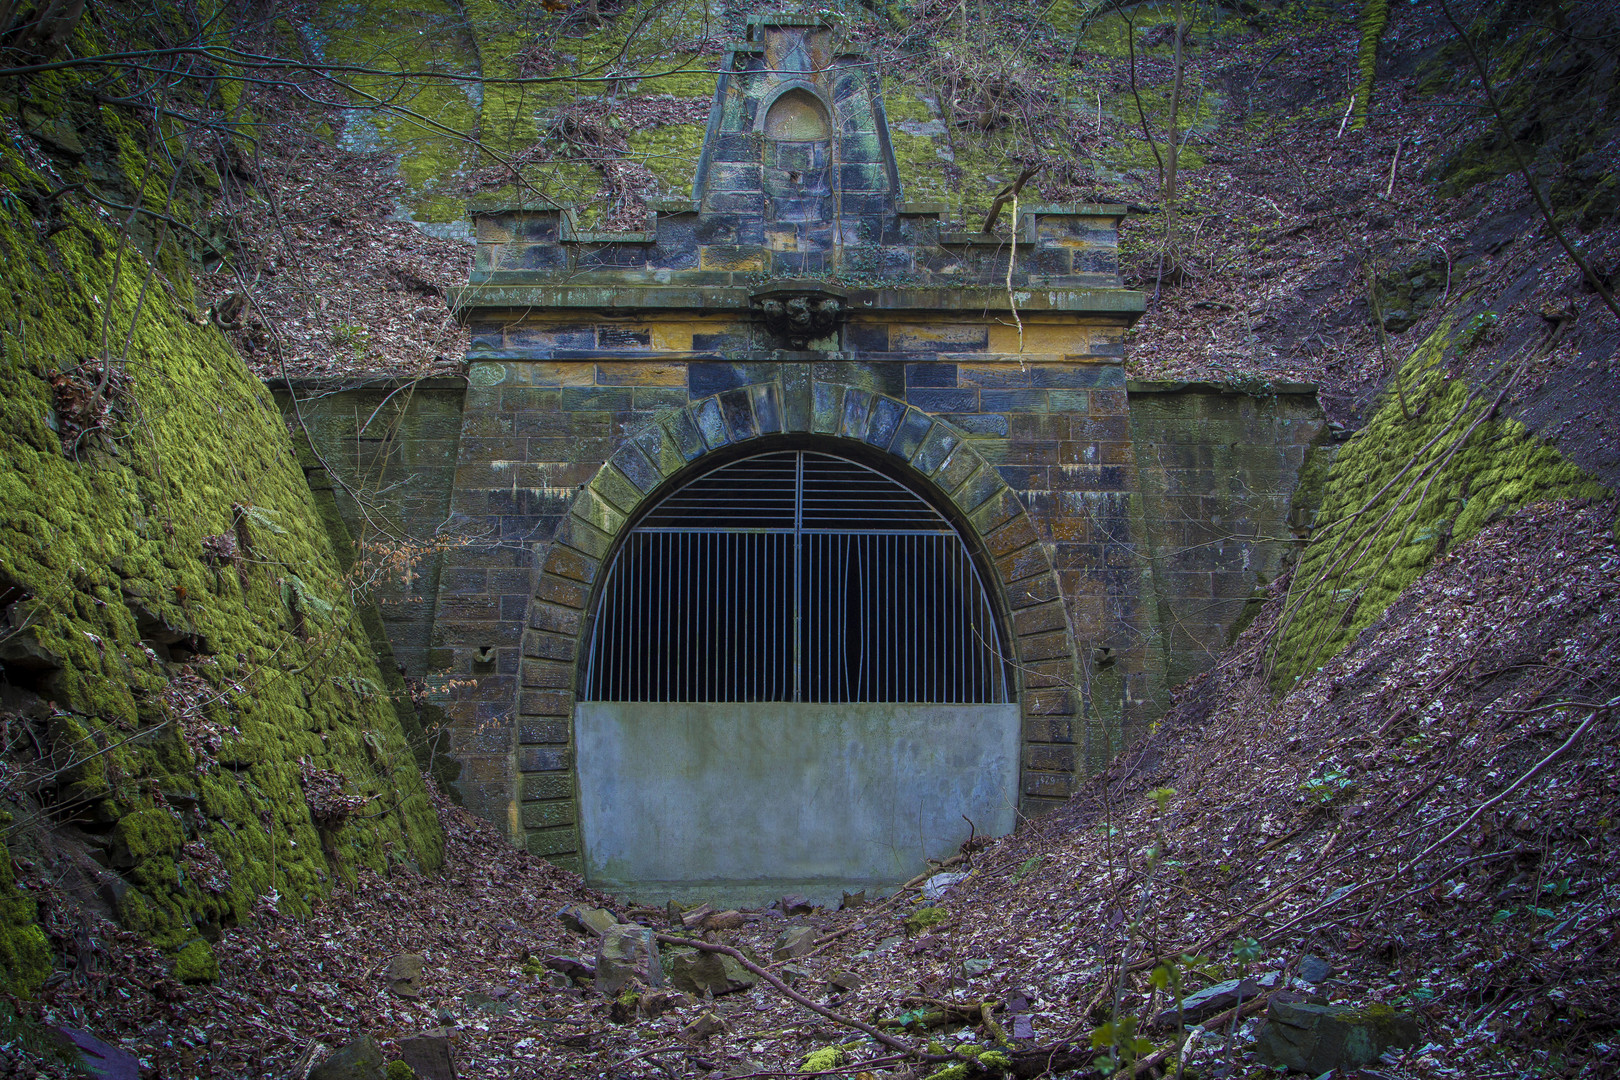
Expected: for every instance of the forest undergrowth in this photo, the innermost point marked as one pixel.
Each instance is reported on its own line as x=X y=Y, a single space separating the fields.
x=1431 y=814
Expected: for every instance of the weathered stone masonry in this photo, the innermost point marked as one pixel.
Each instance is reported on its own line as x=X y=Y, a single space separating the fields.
x=1122 y=528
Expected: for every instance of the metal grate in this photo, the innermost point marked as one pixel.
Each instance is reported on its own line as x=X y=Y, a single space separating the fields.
x=794 y=576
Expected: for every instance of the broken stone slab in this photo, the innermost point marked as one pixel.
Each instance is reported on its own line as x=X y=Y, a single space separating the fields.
x=724 y=920
x=794 y=904
x=405 y=975
x=361 y=1059
x=976 y=967
x=1211 y=1000
x=429 y=1056
x=694 y=918
x=96 y=1058
x=588 y=920
x=571 y=966
x=852 y=900
x=1317 y=1039
x=882 y=947
x=709 y=974
x=626 y=953
x=794 y=942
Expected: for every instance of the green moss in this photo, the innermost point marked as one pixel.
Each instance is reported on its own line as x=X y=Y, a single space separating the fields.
x=195 y=963
x=1374 y=16
x=670 y=152
x=923 y=918
x=398 y=1070
x=823 y=1060
x=901 y=104
x=108 y=543
x=25 y=954
x=1401 y=491
x=148 y=834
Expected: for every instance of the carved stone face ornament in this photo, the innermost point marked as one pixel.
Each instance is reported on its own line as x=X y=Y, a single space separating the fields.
x=800 y=314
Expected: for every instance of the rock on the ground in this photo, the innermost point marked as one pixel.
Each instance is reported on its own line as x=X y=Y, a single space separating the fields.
x=1313 y=969
x=724 y=920
x=852 y=900
x=710 y=973
x=794 y=904
x=571 y=966
x=844 y=980
x=626 y=953
x=1320 y=1038
x=99 y=1059
x=794 y=942
x=588 y=920
x=937 y=886
x=705 y=1025
x=1211 y=1000
x=405 y=975
x=361 y=1059
x=429 y=1056
x=655 y=1003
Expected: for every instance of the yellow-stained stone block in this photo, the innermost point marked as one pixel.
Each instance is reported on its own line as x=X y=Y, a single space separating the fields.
x=743 y=261
x=675 y=335
x=493 y=229
x=636 y=373
x=553 y=373
x=1039 y=337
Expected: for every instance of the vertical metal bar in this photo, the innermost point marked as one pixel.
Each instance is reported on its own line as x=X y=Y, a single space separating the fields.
x=618 y=689
x=683 y=646
x=746 y=622
x=930 y=625
x=717 y=583
x=737 y=583
x=961 y=622
x=798 y=530
x=897 y=620
x=638 y=655
x=869 y=592
x=644 y=620
x=666 y=577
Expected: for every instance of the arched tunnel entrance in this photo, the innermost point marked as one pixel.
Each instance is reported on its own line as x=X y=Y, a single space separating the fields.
x=795 y=681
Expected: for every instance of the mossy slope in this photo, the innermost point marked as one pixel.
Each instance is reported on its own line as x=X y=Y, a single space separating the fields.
x=187 y=768
x=1414 y=481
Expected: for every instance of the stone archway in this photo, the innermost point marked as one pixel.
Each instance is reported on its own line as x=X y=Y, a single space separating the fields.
x=939 y=455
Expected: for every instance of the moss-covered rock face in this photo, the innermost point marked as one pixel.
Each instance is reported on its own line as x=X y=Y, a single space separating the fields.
x=171 y=594
x=25 y=954
x=1432 y=467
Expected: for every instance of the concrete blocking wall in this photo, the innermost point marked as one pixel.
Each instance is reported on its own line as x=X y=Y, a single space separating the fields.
x=739 y=803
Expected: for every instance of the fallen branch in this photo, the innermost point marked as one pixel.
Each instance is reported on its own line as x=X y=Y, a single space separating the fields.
x=797 y=998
